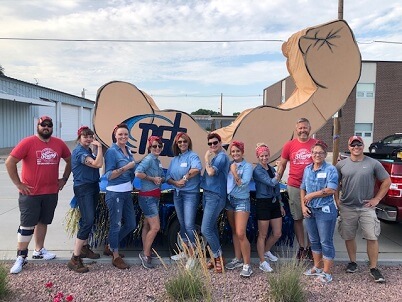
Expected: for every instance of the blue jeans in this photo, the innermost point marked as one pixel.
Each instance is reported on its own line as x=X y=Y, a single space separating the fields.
x=120 y=205
x=186 y=205
x=213 y=204
x=87 y=199
x=320 y=229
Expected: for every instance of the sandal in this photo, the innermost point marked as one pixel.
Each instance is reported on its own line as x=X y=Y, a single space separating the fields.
x=219 y=264
x=210 y=264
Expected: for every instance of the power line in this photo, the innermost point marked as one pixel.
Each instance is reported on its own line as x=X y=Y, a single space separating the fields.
x=171 y=41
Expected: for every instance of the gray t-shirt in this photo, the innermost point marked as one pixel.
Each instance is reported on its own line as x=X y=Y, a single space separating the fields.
x=358 y=179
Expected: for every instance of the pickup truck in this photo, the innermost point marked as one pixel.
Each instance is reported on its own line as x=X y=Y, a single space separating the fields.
x=390 y=207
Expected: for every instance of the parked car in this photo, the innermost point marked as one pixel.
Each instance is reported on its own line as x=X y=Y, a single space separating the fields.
x=168 y=234
x=387 y=145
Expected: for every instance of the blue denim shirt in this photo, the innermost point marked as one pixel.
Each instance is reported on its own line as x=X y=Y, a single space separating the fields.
x=115 y=159
x=325 y=177
x=180 y=165
x=83 y=174
x=265 y=186
x=245 y=172
x=217 y=182
x=151 y=166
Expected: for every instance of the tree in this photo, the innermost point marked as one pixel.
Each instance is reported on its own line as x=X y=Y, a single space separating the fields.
x=236 y=113
x=2 y=71
x=205 y=112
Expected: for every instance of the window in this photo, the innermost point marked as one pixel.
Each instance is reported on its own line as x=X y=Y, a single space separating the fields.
x=365 y=91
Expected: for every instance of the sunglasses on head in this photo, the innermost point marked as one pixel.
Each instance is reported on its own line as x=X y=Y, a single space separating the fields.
x=46 y=124
x=356 y=145
x=182 y=142
x=213 y=143
x=157 y=146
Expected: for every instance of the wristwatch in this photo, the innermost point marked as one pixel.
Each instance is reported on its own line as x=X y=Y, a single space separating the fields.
x=185 y=178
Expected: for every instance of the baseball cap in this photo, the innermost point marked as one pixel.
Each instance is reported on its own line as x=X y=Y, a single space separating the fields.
x=355 y=138
x=44 y=118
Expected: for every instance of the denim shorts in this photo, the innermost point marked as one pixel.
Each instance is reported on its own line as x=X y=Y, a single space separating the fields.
x=238 y=204
x=149 y=205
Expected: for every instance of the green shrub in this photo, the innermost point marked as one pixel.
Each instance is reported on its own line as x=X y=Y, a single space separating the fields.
x=188 y=285
x=285 y=285
x=4 y=291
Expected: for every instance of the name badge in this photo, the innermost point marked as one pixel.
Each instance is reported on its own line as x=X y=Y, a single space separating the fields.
x=326 y=209
x=160 y=165
x=322 y=175
x=183 y=165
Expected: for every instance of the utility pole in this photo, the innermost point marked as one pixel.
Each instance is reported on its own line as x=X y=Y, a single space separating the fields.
x=221 y=108
x=337 y=124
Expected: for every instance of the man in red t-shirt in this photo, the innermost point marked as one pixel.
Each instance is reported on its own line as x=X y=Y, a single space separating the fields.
x=298 y=153
x=38 y=187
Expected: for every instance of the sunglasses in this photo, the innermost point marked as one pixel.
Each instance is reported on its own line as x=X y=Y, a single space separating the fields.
x=356 y=145
x=182 y=142
x=44 y=124
x=213 y=143
x=157 y=146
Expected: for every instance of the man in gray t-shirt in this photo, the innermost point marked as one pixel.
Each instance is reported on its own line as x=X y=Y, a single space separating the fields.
x=357 y=177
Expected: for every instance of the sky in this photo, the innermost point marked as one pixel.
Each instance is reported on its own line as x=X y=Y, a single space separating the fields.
x=180 y=75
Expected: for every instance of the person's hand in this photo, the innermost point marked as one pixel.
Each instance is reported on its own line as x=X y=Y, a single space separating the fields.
x=209 y=155
x=306 y=212
x=307 y=198
x=180 y=183
x=24 y=188
x=283 y=212
x=62 y=183
x=96 y=144
x=371 y=203
x=157 y=180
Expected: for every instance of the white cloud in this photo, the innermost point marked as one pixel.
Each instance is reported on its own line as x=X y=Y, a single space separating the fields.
x=177 y=68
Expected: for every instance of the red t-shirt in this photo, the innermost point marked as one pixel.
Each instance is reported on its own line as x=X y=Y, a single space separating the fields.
x=40 y=163
x=299 y=156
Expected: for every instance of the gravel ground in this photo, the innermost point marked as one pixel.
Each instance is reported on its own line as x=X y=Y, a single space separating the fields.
x=106 y=283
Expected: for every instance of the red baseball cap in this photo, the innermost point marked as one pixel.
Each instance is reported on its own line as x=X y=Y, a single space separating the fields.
x=44 y=118
x=355 y=138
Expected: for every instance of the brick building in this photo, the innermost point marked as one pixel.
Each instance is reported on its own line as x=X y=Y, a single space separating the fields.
x=373 y=110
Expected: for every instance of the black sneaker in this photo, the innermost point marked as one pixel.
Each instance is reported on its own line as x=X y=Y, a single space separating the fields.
x=352 y=267
x=300 y=254
x=376 y=274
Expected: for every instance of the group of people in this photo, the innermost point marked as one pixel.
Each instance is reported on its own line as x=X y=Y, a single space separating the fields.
x=313 y=187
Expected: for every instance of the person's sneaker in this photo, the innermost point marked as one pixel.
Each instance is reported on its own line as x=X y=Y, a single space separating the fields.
x=235 y=263
x=271 y=257
x=314 y=271
x=300 y=254
x=265 y=267
x=352 y=267
x=376 y=274
x=178 y=256
x=76 y=265
x=119 y=263
x=107 y=252
x=246 y=271
x=154 y=255
x=86 y=252
x=324 y=278
x=18 y=264
x=43 y=254
x=190 y=264
x=146 y=261
x=309 y=254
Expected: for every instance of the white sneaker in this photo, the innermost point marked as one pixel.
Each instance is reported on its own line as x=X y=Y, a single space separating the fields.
x=43 y=254
x=18 y=264
x=190 y=263
x=270 y=256
x=178 y=256
x=265 y=267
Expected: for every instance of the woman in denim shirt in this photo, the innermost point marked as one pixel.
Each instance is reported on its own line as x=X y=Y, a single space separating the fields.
x=238 y=207
x=151 y=173
x=214 y=196
x=320 y=181
x=85 y=167
x=269 y=208
x=119 y=166
x=184 y=175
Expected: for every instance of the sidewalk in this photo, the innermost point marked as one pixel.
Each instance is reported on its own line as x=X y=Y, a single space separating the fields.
x=57 y=240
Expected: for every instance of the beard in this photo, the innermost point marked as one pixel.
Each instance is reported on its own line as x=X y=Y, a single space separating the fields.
x=45 y=134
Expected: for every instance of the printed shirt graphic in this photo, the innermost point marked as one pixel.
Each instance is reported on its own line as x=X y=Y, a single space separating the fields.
x=299 y=156
x=40 y=163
